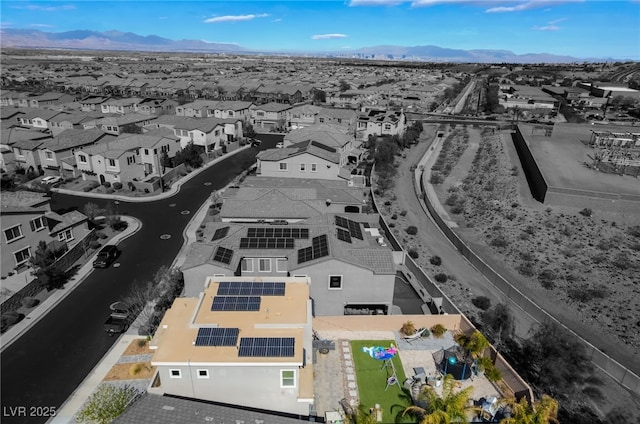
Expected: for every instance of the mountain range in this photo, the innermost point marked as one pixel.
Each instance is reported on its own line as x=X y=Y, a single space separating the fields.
x=128 y=41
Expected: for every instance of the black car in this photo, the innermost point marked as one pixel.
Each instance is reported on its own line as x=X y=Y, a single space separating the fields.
x=255 y=142
x=106 y=256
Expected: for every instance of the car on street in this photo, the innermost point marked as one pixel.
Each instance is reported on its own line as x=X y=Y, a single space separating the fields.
x=51 y=179
x=106 y=256
x=280 y=145
x=255 y=142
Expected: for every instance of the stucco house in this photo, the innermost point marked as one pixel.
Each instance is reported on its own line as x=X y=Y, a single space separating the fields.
x=38 y=118
x=346 y=258
x=306 y=159
x=337 y=137
x=210 y=133
x=252 y=350
x=377 y=122
x=52 y=151
x=120 y=106
x=269 y=115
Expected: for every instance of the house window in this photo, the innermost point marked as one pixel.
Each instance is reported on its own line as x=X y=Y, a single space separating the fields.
x=22 y=255
x=259 y=113
x=287 y=378
x=112 y=163
x=231 y=113
x=264 y=265
x=37 y=224
x=335 y=282
x=13 y=233
x=283 y=166
x=66 y=235
x=387 y=126
x=339 y=121
x=82 y=158
x=303 y=167
x=49 y=155
x=201 y=373
x=175 y=374
x=131 y=160
x=321 y=120
x=216 y=133
x=146 y=151
x=247 y=265
x=165 y=149
x=281 y=265
x=314 y=167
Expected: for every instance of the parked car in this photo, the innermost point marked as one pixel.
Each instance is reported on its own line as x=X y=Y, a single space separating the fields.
x=51 y=179
x=106 y=256
x=118 y=320
x=280 y=145
x=255 y=142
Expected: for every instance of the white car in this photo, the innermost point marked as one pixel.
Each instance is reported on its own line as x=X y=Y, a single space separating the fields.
x=51 y=179
x=280 y=145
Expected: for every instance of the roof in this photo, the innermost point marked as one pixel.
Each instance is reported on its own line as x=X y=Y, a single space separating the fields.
x=12 y=135
x=127 y=142
x=23 y=201
x=45 y=114
x=331 y=135
x=273 y=107
x=308 y=146
x=71 y=138
x=156 y=409
x=277 y=316
x=62 y=222
x=380 y=116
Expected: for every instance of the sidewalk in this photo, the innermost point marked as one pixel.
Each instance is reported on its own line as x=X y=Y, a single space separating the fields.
x=58 y=295
x=173 y=190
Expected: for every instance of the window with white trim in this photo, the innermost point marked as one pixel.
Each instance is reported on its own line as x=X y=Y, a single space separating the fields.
x=175 y=374
x=287 y=378
x=387 y=126
x=335 y=282
x=314 y=167
x=37 y=224
x=303 y=167
x=281 y=265
x=82 y=158
x=22 y=255
x=283 y=166
x=13 y=233
x=247 y=265
x=111 y=162
x=49 y=155
x=203 y=374
x=66 y=235
x=264 y=265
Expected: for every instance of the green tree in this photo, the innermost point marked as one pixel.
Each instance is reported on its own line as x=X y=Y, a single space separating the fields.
x=344 y=86
x=45 y=269
x=248 y=130
x=189 y=155
x=106 y=404
x=543 y=411
x=492 y=100
x=91 y=210
x=450 y=407
x=131 y=129
x=320 y=96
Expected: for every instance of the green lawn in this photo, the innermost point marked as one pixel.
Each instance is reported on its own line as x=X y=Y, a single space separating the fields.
x=372 y=380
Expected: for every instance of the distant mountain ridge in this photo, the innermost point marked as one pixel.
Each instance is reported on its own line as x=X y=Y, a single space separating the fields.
x=117 y=40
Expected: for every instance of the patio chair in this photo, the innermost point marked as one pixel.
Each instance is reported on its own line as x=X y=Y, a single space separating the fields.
x=415 y=336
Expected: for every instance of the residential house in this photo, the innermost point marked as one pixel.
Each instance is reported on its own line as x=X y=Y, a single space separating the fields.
x=25 y=151
x=302 y=116
x=120 y=106
x=346 y=257
x=128 y=158
x=27 y=220
x=256 y=354
x=53 y=150
x=377 y=122
x=156 y=107
x=305 y=159
x=67 y=121
x=14 y=98
x=278 y=93
x=336 y=137
x=117 y=124
x=288 y=199
x=210 y=133
x=269 y=115
x=228 y=109
x=50 y=99
x=92 y=103
x=196 y=109
x=38 y=118
x=335 y=116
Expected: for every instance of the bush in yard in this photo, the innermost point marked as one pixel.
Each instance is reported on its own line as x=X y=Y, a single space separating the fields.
x=117 y=185
x=481 y=302
x=435 y=260
x=414 y=253
x=438 y=330
x=106 y=404
x=106 y=184
x=412 y=230
x=94 y=244
x=404 y=213
x=441 y=277
x=586 y=212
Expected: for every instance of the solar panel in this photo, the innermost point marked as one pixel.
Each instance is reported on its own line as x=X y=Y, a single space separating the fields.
x=217 y=336
x=223 y=255
x=250 y=288
x=220 y=233
x=266 y=243
x=343 y=235
x=319 y=248
x=323 y=146
x=277 y=347
x=235 y=303
x=342 y=222
x=352 y=226
x=269 y=232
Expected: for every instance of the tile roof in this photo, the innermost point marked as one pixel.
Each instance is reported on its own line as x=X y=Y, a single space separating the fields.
x=156 y=409
x=61 y=222
x=71 y=138
x=23 y=201
x=273 y=107
x=308 y=146
x=330 y=135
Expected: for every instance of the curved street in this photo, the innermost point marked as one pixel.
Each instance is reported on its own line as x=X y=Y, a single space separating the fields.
x=44 y=366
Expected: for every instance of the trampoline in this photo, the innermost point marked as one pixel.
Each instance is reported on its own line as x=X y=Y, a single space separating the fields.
x=453 y=361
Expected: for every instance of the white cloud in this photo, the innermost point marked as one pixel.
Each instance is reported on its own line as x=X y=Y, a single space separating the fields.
x=551 y=25
x=277 y=20
x=520 y=5
x=38 y=8
x=493 y=6
x=557 y=21
x=376 y=2
x=41 y=26
x=327 y=36
x=235 y=18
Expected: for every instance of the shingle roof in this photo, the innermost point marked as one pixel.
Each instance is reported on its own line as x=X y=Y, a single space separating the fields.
x=67 y=220
x=308 y=146
x=273 y=107
x=73 y=138
x=23 y=201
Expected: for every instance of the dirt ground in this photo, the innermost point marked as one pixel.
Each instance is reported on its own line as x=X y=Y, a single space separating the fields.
x=133 y=370
x=559 y=251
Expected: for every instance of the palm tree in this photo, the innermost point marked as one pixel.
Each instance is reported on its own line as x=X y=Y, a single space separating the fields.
x=447 y=408
x=517 y=112
x=544 y=411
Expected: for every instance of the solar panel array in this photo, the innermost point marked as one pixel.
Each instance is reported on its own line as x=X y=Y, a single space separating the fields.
x=223 y=255
x=217 y=336
x=323 y=146
x=220 y=233
x=236 y=303
x=266 y=243
x=250 y=288
x=318 y=249
x=269 y=232
x=279 y=347
x=352 y=226
x=344 y=235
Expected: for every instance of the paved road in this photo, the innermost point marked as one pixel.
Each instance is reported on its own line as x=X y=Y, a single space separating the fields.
x=45 y=365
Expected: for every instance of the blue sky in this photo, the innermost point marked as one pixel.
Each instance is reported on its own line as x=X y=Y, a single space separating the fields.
x=580 y=28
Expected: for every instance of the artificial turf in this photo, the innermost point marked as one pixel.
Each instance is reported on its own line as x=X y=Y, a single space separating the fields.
x=371 y=376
